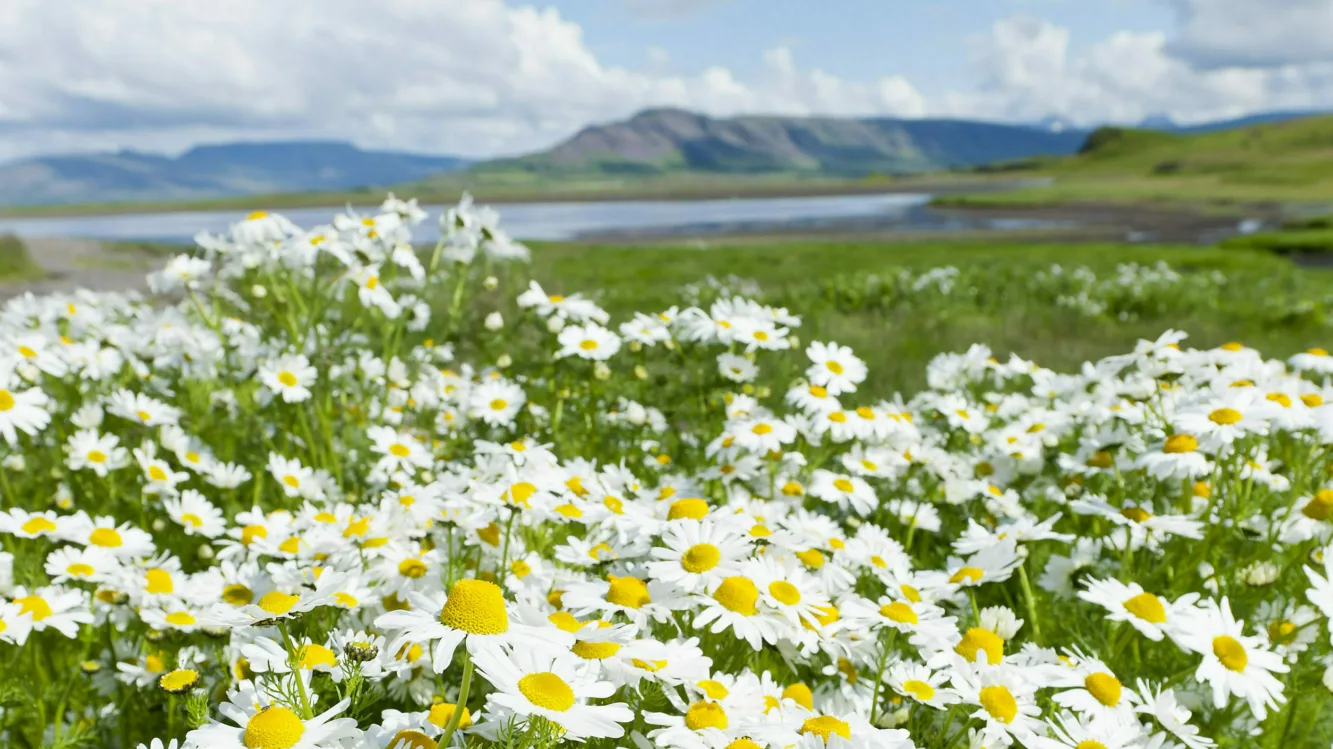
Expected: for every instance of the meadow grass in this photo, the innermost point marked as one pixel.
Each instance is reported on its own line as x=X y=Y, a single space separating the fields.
x=15 y=262
x=1267 y=301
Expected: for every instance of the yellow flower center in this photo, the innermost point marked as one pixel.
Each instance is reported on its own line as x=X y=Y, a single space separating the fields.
x=833 y=366
x=970 y=574
x=278 y=603
x=250 y=532
x=192 y=520
x=742 y=744
x=1181 y=443
x=703 y=715
x=34 y=605
x=691 y=508
x=105 y=537
x=811 y=558
x=499 y=404
x=919 y=689
x=476 y=607
x=843 y=485
x=237 y=594
x=1090 y=744
x=1230 y=652
x=1105 y=687
x=999 y=702
x=409 y=739
x=287 y=379
x=179 y=680
x=520 y=568
x=38 y=524
x=595 y=651
x=79 y=569
x=587 y=344
x=545 y=689
x=1224 y=416
x=314 y=656
x=738 y=594
x=273 y=728
x=1137 y=514
x=978 y=640
x=761 y=429
x=838 y=417
x=630 y=592
x=1312 y=400
x=346 y=600
x=399 y=450
x=1147 y=607
x=1282 y=633
x=96 y=456
x=800 y=694
x=413 y=568
x=1320 y=506
x=1282 y=399
x=700 y=558
x=825 y=726
x=785 y=593
x=159 y=581
x=6 y=400
x=898 y=612
x=442 y=712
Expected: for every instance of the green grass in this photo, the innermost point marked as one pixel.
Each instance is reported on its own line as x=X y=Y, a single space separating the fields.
x=845 y=292
x=1284 y=242
x=1284 y=162
x=15 y=262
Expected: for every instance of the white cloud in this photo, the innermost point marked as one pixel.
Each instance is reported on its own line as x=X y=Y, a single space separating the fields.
x=1253 y=33
x=1029 y=73
x=456 y=76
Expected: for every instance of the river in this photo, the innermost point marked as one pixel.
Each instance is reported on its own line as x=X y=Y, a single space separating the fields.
x=573 y=220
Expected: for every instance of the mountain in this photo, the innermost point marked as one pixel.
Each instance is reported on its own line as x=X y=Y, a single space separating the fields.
x=1166 y=123
x=211 y=171
x=659 y=141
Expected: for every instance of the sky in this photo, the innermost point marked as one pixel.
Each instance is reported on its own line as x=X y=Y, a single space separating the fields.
x=481 y=78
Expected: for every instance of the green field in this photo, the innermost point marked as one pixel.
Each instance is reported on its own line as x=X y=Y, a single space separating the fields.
x=859 y=294
x=1285 y=162
x=15 y=263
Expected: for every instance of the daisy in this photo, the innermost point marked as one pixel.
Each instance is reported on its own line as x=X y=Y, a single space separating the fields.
x=193 y=512
x=474 y=614
x=1233 y=662
x=917 y=681
x=400 y=452
x=496 y=402
x=553 y=686
x=697 y=554
x=21 y=410
x=1162 y=704
x=844 y=491
x=1152 y=615
x=16 y=621
x=258 y=722
x=734 y=604
x=290 y=376
x=99 y=453
x=54 y=607
x=589 y=341
x=141 y=409
x=834 y=367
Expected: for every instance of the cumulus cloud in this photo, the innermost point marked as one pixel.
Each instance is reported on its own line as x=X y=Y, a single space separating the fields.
x=1029 y=72
x=461 y=76
x=1253 y=33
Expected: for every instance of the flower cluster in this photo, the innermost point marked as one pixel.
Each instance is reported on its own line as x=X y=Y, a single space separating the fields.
x=326 y=488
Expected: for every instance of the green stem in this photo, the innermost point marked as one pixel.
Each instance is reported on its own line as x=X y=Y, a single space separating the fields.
x=461 y=705
x=294 y=661
x=1031 y=602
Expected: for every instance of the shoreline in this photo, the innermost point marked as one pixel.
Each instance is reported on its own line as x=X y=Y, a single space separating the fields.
x=505 y=197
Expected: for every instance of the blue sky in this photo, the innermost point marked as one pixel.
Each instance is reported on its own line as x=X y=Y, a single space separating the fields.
x=858 y=40
x=491 y=77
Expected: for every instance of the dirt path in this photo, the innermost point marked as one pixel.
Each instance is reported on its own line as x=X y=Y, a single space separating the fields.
x=72 y=264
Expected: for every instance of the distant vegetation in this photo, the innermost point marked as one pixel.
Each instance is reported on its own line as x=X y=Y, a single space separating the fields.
x=15 y=262
x=1288 y=161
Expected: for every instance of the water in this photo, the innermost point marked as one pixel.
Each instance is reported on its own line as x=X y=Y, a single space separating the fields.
x=565 y=221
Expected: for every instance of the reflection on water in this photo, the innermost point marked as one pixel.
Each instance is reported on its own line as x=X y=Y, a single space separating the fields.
x=559 y=221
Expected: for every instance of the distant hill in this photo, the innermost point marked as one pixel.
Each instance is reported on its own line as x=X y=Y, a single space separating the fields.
x=659 y=141
x=1165 y=123
x=1286 y=152
x=211 y=171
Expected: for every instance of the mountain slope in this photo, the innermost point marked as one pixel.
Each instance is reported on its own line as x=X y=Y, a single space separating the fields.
x=666 y=140
x=211 y=171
